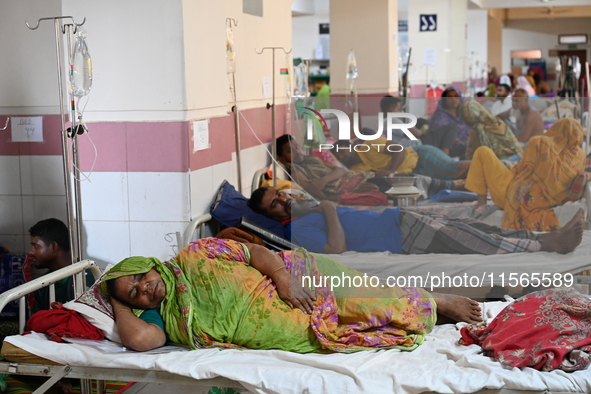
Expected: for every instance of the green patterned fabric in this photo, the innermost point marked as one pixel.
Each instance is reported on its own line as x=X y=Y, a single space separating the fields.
x=214 y=298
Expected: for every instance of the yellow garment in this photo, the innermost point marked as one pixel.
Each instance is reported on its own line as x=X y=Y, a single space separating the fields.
x=543 y=177
x=378 y=158
x=488 y=173
x=281 y=184
x=540 y=181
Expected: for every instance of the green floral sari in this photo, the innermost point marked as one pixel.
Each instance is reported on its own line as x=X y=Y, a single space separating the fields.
x=214 y=298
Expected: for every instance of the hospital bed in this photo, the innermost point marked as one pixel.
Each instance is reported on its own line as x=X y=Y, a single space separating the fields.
x=439 y=365
x=493 y=216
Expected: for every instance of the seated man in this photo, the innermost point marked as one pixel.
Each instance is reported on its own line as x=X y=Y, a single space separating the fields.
x=529 y=123
x=327 y=229
x=501 y=108
x=50 y=249
x=321 y=180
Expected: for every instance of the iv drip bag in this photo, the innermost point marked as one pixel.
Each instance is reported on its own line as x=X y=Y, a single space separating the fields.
x=300 y=74
x=351 y=70
x=230 y=54
x=80 y=66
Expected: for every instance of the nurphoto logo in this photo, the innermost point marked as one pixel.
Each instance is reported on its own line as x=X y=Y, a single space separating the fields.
x=345 y=127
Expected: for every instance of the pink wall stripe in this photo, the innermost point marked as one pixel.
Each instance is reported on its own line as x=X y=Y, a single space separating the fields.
x=51 y=145
x=152 y=146
x=222 y=136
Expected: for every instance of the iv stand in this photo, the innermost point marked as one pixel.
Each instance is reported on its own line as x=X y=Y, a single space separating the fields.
x=74 y=208
x=229 y=21
x=272 y=106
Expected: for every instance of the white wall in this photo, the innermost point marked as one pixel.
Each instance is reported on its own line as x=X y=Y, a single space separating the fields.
x=450 y=35
x=514 y=40
x=28 y=80
x=138 y=63
x=305 y=34
x=477 y=35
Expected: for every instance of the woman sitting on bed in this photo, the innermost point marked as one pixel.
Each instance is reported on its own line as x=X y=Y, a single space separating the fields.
x=540 y=181
x=221 y=293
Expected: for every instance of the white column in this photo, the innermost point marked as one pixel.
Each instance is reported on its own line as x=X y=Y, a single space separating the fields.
x=371 y=29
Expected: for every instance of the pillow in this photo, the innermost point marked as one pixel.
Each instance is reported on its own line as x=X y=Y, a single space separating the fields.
x=95 y=308
x=230 y=206
x=577 y=188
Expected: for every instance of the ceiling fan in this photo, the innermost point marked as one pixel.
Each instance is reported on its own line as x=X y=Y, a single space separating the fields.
x=550 y=11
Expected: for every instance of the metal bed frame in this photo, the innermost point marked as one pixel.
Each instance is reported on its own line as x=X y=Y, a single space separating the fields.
x=86 y=374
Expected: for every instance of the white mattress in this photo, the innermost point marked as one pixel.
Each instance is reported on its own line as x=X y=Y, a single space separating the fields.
x=439 y=365
x=385 y=264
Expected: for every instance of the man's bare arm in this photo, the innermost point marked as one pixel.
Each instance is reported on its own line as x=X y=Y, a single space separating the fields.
x=335 y=234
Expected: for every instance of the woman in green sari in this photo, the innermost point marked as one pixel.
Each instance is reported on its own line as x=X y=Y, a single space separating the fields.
x=221 y=293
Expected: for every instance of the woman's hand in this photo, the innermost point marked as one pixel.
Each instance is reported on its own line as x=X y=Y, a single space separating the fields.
x=118 y=306
x=292 y=292
x=135 y=333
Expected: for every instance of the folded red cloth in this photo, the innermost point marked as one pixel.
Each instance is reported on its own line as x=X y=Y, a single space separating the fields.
x=61 y=323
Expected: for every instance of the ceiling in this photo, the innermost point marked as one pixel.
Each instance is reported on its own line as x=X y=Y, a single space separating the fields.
x=485 y=4
x=321 y=7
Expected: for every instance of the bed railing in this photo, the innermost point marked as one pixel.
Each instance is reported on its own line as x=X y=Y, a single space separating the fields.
x=19 y=292
x=197 y=225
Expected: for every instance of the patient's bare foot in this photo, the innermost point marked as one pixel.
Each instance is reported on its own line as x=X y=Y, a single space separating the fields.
x=567 y=238
x=461 y=186
x=456 y=308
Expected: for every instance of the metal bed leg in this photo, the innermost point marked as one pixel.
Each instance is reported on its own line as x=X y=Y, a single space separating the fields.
x=101 y=387
x=61 y=372
x=86 y=386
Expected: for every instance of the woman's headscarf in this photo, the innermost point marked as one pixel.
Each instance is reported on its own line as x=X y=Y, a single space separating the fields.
x=131 y=266
x=543 y=177
x=168 y=271
x=524 y=84
x=488 y=130
x=441 y=117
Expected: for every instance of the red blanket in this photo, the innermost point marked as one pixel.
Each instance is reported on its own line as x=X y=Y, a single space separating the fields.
x=61 y=323
x=545 y=330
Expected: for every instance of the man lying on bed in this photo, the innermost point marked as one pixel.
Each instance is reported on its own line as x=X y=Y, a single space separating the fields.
x=222 y=293
x=326 y=228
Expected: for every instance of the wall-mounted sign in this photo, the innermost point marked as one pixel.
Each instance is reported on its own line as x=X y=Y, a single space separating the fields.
x=567 y=39
x=430 y=56
x=402 y=26
x=27 y=129
x=428 y=22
